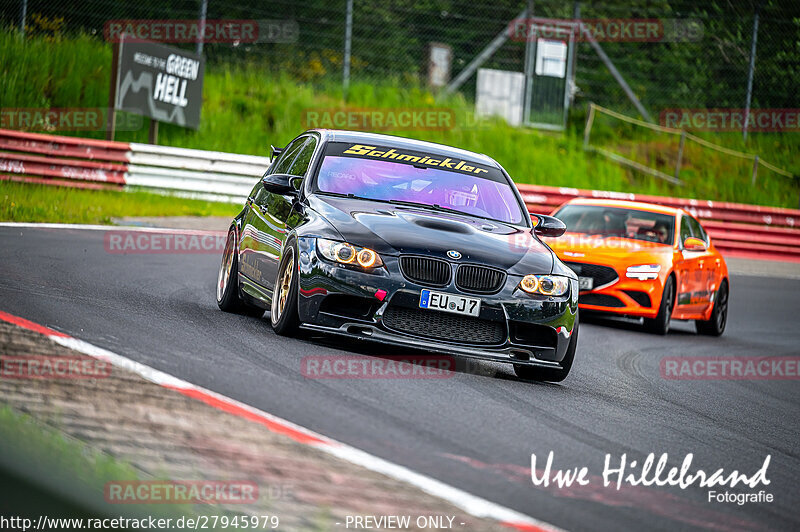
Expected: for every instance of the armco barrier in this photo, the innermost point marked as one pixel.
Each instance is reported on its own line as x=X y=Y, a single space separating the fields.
x=739 y=230
x=89 y=163
x=68 y=161
x=211 y=174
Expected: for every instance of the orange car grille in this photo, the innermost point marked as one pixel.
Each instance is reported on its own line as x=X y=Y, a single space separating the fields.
x=602 y=275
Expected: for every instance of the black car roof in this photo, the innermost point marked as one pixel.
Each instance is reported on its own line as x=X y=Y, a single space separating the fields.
x=338 y=135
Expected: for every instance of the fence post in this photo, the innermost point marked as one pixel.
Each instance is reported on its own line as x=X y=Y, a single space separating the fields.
x=755 y=170
x=348 y=37
x=576 y=15
x=680 y=155
x=152 y=133
x=22 y=16
x=749 y=96
x=588 y=130
x=201 y=34
x=528 y=67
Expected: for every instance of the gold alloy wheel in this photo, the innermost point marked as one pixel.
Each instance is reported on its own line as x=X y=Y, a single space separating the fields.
x=279 y=303
x=225 y=269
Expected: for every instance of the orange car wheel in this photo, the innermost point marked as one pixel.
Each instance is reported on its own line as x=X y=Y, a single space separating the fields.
x=660 y=324
x=715 y=324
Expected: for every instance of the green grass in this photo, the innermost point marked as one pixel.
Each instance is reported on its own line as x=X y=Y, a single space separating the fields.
x=247 y=106
x=23 y=202
x=58 y=464
x=22 y=434
x=71 y=475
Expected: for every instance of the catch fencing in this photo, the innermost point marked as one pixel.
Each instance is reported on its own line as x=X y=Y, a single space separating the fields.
x=390 y=41
x=753 y=161
x=739 y=230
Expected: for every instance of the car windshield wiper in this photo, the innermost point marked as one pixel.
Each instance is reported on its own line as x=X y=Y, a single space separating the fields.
x=349 y=196
x=434 y=206
x=391 y=201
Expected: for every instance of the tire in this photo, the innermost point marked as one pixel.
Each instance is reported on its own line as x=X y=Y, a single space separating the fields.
x=283 y=315
x=715 y=324
x=228 y=282
x=660 y=324
x=533 y=373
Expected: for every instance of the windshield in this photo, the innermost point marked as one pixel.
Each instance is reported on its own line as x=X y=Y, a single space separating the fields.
x=612 y=221
x=405 y=176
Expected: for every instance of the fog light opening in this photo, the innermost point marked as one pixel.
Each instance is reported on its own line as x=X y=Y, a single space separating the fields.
x=520 y=355
x=363 y=331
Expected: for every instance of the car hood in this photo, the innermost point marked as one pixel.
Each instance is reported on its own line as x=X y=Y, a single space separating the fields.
x=399 y=229
x=610 y=250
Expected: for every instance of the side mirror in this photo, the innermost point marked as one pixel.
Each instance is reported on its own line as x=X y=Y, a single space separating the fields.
x=694 y=244
x=548 y=226
x=274 y=152
x=283 y=184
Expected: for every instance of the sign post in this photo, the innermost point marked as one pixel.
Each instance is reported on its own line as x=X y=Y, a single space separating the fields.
x=111 y=112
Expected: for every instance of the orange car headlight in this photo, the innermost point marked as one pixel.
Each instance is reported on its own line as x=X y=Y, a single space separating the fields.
x=643 y=272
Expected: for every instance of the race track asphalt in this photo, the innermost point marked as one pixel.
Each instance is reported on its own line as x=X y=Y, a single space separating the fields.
x=476 y=430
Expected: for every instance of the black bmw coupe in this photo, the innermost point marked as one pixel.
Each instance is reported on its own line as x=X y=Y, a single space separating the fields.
x=405 y=242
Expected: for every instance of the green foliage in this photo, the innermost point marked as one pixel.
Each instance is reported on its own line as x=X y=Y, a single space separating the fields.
x=22 y=436
x=248 y=106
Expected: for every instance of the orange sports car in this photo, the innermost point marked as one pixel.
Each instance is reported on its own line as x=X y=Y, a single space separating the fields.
x=644 y=260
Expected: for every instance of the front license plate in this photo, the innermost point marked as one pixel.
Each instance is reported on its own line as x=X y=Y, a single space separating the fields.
x=468 y=306
x=585 y=283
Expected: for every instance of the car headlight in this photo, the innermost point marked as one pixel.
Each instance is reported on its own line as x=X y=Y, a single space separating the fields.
x=546 y=285
x=643 y=272
x=346 y=253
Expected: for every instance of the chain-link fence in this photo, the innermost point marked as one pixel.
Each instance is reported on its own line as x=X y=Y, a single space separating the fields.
x=390 y=41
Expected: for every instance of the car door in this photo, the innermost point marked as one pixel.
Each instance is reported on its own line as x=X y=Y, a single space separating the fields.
x=687 y=270
x=260 y=246
x=706 y=264
x=276 y=214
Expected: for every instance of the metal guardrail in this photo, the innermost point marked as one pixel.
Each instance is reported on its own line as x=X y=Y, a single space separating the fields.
x=89 y=163
x=738 y=229
x=749 y=231
x=205 y=174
